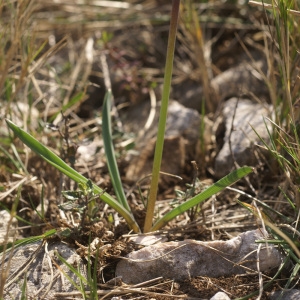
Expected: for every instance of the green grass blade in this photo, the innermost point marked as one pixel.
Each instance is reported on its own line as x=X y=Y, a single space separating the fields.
x=18 y=158
x=81 y=284
x=110 y=153
x=24 y=288
x=58 y=163
x=94 y=286
x=16 y=163
x=72 y=102
x=38 y=51
x=16 y=216
x=73 y=270
x=212 y=190
x=28 y=240
x=44 y=152
x=162 y=116
x=292 y=278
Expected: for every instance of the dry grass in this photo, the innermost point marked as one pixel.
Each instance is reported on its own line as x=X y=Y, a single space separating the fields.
x=51 y=60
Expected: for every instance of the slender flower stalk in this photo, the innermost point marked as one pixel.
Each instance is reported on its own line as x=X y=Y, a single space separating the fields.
x=163 y=116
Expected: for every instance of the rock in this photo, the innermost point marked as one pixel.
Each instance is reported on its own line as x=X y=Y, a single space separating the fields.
x=148 y=239
x=220 y=296
x=292 y=294
x=18 y=112
x=181 y=139
x=88 y=152
x=241 y=79
x=141 y=164
x=242 y=137
x=12 y=230
x=189 y=258
x=45 y=273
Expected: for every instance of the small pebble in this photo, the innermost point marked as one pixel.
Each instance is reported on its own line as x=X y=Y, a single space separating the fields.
x=220 y=296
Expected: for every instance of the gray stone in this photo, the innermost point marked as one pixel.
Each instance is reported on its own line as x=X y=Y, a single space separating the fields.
x=11 y=232
x=45 y=273
x=189 y=258
x=18 y=112
x=292 y=294
x=241 y=136
x=148 y=239
x=181 y=139
x=220 y=296
x=241 y=79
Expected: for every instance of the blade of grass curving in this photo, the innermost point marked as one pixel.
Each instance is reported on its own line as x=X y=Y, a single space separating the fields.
x=272 y=226
x=71 y=103
x=271 y=147
x=110 y=152
x=285 y=219
x=212 y=190
x=16 y=163
x=59 y=164
x=73 y=270
x=287 y=198
x=288 y=251
x=293 y=276
x=39 y=50
x=16 y=216
x=18 y=158
x=28 y=240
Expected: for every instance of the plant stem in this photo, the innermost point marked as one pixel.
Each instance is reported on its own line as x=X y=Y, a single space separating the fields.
x=162 y=116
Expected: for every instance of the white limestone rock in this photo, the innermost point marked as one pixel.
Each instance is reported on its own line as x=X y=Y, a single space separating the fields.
x=4 y=223
x=241 y=135
x=292 y=294
x=185 y=259
x=44 y=277
x=220 y=296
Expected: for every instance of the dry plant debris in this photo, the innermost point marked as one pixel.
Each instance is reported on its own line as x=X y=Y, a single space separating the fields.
x=53 y=61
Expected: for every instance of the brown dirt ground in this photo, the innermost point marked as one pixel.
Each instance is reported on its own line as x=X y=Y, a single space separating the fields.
x=133 y=63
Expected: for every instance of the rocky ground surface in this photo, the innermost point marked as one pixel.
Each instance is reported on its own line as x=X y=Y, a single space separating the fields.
x=213 y=255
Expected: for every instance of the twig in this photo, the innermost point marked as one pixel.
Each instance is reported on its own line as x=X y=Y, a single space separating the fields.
x=151 y=113
x=260 y=279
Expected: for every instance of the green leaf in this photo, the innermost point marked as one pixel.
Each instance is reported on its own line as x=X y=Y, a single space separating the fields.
x=59 y=164
x=24 y=288
x=110 y=152
x=73 y=270
x=162 y=122
x=212 y=190
x=29 y=240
